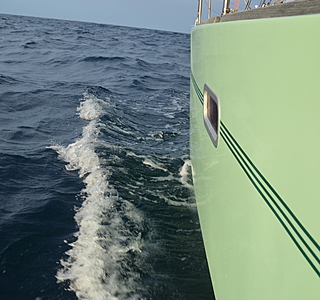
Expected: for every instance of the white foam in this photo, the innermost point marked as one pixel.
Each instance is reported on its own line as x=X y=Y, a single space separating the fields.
x=97 y=263
x=184 y=177
x=90 y=107
x=149 y=162
x=174 y=201
x=185 y=174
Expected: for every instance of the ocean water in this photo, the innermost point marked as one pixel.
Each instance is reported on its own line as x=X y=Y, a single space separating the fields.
x=96 y=196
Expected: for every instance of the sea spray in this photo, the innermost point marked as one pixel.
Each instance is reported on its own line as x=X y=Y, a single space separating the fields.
x=103 y=263
x=185 y=174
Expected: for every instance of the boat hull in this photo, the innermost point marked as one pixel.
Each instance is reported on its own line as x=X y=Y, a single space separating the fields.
x=258 y=191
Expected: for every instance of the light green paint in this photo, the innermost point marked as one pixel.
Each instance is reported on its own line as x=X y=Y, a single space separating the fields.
x=266 y=74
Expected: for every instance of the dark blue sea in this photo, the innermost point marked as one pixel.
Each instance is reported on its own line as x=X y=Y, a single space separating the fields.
x=96 y=196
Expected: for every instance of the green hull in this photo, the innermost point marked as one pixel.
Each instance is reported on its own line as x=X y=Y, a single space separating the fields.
x=258 y=191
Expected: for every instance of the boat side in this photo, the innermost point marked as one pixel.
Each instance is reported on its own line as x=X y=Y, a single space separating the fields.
x=258 y=192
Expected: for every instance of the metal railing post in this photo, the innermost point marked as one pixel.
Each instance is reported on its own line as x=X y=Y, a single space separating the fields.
x=198 y=21
x=226 y=7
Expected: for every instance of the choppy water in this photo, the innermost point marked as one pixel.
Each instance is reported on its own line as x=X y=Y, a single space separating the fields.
x=96 y=198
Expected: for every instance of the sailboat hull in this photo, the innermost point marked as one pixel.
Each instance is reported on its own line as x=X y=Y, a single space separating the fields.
x=258 y=191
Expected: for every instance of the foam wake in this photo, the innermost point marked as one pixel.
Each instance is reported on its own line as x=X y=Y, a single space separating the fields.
x=106 y=260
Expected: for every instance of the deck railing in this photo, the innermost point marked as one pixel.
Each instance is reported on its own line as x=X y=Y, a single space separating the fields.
x=263 y=3
x=225 y=10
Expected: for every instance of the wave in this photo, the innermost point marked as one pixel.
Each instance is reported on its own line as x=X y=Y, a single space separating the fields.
x=151 y=66
x=103 y=58
x=106 y=260
x=8 y=80
x=30 y=44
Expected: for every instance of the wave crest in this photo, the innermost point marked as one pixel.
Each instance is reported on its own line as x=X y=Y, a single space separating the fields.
x=106 y=260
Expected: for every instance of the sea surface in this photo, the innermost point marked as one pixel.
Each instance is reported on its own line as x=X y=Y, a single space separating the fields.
x=96 y=195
